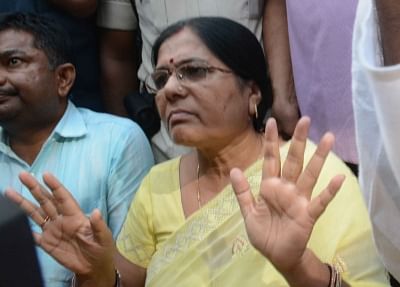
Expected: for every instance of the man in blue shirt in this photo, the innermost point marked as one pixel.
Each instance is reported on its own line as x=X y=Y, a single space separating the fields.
x=78 y=19
x=100 y=158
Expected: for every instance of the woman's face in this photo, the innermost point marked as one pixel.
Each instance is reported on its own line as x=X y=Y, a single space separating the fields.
x=208 y=111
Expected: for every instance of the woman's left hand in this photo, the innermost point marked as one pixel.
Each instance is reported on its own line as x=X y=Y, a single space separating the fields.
x=280 y=221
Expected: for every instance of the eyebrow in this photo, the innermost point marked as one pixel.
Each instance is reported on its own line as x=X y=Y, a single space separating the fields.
x=185 y=61
x=12 y=52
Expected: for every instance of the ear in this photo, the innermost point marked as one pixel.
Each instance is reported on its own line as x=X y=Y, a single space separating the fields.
x=65 y=78
x=254 y=98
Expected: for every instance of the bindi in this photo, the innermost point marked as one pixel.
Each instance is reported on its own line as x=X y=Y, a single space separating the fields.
x=171 y=61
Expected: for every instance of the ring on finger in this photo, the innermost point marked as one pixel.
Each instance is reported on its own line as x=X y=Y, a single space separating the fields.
x=47 y=218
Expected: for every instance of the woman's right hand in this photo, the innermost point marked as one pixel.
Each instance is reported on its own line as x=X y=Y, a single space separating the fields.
x=83 y=245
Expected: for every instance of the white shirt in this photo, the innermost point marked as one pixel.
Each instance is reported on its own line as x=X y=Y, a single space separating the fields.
x=376 y=102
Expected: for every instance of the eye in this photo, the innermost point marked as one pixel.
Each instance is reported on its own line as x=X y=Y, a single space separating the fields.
x=193 y=72
x=160 y=78
x=14 y=61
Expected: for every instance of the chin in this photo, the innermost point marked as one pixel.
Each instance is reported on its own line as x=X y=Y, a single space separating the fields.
x=6 y=117
x=181 y=136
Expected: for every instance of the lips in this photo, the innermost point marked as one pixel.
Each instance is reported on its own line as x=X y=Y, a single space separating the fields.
x=4 y=98
x=177 y=116
x=7 y=93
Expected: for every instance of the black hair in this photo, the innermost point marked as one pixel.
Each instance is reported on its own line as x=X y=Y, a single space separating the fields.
x=236 y=46
x=48 y=35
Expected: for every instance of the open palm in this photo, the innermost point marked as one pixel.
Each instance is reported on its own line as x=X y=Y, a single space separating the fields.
x=79 y=243
x=280 y=220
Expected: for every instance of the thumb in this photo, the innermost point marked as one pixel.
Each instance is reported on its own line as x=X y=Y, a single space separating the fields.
x=101 y=232
x=242 y=191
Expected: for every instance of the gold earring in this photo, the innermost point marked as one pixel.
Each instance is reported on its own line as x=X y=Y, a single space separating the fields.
x=255 y=108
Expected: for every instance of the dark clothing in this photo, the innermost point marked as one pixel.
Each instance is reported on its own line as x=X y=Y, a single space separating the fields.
x=82 y=33
x=393 y=282
x=353 y=167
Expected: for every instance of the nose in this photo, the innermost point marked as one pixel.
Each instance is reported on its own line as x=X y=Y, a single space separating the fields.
x=173 y=88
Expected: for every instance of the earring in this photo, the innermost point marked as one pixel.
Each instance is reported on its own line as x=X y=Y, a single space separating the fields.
x=255 y=108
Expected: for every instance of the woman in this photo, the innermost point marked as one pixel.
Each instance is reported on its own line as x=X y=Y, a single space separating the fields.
x=185 y=226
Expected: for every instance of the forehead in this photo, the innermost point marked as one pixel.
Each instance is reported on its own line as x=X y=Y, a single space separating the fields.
x=181 y=46
x=16 y=40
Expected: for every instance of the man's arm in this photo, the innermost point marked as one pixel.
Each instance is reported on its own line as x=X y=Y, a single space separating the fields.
x=276 y=45
x=78 y=8
x=132 y=159
x=389 y=26
x=118 y=68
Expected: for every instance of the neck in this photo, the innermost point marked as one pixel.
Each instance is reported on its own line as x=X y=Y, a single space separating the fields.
x=241 y=152
x=204 y=173
x=27 y=142
x=27 y=135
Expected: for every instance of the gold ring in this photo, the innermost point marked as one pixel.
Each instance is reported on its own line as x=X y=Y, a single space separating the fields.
x=47 y=218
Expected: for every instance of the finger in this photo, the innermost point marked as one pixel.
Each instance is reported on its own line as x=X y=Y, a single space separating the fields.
x=309 y=177
x=66 y=203
x=101 y=232
x=318 y=204
x=40 y=194
x=242 y=191
x=293 y=164
x=48 y=194
x=272 y=159
x=37 y=237
x=31 y=209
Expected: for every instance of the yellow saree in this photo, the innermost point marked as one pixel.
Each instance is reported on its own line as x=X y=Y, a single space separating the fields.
x=211 y=247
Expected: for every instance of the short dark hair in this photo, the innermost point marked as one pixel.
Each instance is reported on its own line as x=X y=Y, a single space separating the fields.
x=48 y=35
x=233 y=44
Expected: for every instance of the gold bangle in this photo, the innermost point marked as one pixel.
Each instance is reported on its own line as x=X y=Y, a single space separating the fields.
x=335 y=279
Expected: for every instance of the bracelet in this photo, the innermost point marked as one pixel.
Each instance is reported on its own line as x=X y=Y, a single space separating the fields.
x=116 y=284
x=335 y=279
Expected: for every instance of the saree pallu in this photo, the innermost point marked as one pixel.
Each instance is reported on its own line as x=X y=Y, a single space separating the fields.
x=211 y=247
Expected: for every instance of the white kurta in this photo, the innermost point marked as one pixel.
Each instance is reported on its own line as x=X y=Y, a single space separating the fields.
x=376 y=102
